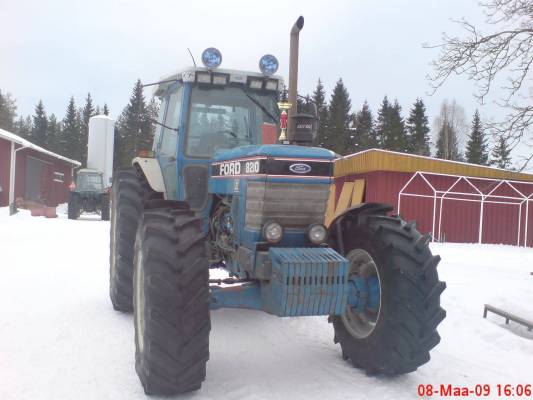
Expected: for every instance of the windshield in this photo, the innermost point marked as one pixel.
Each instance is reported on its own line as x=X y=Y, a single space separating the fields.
x=227 y=117
x=90 y=182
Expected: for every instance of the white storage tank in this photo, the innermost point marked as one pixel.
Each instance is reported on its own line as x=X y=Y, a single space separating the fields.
x=100 y=146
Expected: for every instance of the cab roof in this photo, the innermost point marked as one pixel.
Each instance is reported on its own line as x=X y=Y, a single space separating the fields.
x=190 y=74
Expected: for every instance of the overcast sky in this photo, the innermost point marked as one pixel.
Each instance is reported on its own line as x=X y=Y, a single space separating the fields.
x=53 y=49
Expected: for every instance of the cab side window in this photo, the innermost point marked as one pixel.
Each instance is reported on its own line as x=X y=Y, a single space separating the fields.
x=158 y=128
x=169 y=135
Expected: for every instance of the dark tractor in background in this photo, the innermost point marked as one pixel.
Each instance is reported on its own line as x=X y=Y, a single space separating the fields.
x=89 y=195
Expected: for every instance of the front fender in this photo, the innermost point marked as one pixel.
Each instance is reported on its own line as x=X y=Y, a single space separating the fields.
x=336 y=231
x=152 y=172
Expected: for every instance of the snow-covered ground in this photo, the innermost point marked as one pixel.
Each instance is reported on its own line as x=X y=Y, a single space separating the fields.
x=60 y=338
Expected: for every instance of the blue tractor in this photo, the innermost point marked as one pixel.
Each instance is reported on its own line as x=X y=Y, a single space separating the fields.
x=227 y=186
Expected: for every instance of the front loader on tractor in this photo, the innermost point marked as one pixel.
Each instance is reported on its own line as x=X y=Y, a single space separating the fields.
x=220 y=189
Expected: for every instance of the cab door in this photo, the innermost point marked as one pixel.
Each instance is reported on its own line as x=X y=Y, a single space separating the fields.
x=168 y=139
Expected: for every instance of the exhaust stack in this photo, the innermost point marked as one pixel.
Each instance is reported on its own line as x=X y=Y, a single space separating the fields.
x=293 y=75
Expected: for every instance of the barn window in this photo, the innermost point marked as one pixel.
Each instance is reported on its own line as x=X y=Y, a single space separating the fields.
x=59 y=177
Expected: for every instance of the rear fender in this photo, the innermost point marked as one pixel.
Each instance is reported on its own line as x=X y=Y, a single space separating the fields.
x=152 y=171
x=336 y=228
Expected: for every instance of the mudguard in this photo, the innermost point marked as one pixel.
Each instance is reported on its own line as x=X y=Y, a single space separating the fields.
x=152 y=171
x=336 y=229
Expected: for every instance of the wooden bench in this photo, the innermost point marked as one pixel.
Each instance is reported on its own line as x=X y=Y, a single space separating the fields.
x=508 y=316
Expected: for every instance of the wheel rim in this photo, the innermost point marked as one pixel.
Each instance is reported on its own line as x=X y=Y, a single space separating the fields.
x=360 y=322
x=138 y=301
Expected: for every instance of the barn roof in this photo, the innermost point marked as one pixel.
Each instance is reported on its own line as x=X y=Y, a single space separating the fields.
x=384 y=160
x=25 y=143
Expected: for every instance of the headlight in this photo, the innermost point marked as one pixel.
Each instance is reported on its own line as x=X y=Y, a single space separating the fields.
x=317 y=233
x=272 y=232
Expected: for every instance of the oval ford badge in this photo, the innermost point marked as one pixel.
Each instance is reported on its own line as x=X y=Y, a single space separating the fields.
x=300 y=168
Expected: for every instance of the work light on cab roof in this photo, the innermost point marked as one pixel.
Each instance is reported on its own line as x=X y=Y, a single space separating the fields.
x=211 y=57
x=268 y=64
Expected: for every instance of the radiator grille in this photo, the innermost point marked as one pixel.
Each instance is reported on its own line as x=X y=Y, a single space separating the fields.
x=294 y=205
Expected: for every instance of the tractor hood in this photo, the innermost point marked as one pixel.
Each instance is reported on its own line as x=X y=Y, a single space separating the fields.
x=274 y=161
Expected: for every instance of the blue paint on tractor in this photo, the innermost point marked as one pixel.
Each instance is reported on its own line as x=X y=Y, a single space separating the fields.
x=274 y=150
x=364 y=293
x=228 y=176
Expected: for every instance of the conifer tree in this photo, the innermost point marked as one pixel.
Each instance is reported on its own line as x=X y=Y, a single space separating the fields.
x=69 y=141
x=23 y=127
x=39 y=126
x=338 y=131
x=105 y=110
x=8 y=112
x=319 y=97
x=418 y=130
x=396 y=139
x=365 y=134
x=391 y=127
x=501 y=153
x=87 y=112
x=134 y=126
x=53 y=133
x=476 y=147
x=382 y=123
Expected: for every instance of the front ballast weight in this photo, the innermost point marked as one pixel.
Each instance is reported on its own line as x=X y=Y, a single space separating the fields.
x=303 y=282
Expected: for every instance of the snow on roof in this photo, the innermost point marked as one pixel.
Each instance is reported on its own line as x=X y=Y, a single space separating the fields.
x=25 y=143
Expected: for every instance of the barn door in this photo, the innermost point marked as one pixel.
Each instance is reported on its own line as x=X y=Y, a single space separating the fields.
x=33 y=181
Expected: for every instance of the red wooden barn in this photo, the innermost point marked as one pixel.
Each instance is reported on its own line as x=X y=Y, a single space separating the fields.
x=29 y=172
x=453 y=201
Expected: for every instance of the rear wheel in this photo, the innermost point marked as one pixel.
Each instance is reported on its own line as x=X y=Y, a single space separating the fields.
x=104 y=212
x=73 y=206
x=171 y=302
x=129 y=194
x=394 y=325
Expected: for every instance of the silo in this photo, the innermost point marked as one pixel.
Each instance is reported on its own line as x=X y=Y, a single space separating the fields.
x=100 y=146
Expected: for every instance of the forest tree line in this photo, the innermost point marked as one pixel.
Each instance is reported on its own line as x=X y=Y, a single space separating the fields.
x=134 y=129
x=340 y=129
x=346 y=132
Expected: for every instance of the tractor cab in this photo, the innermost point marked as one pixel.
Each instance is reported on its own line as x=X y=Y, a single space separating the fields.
x=89 y=180
x=203 y=112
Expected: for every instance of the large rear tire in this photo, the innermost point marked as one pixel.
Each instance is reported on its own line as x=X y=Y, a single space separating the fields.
x=171 y=302
x=129 y=194
x=73 y=209
x=396 y=336
x=105 y=211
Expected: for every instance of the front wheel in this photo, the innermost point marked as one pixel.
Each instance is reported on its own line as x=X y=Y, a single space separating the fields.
x=396 y=290
x=171 y=302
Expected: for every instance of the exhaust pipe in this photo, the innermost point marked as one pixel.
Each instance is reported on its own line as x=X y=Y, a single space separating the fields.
x=293 y=75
